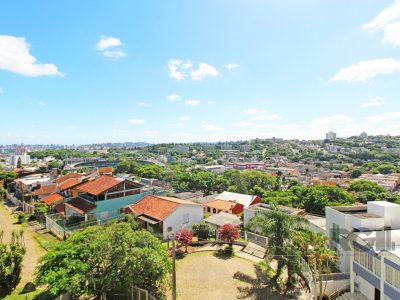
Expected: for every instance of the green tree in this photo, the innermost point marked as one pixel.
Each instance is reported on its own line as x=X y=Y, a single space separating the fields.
x=281 y=229
x=11 y=256
x=19 y=163
x=313 y=247
x=365 y=185
x=106 y=259
x=7 y=177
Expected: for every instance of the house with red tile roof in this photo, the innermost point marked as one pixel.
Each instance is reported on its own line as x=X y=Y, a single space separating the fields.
x=52 y=200
x=229 y=202
x=100 y=198
x=45 y=190
x=165 y=216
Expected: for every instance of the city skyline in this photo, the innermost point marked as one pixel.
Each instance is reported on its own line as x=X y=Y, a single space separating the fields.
x=179 y=72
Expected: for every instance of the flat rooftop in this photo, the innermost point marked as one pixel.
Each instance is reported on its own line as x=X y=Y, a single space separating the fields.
x=357 y=209
x=366 y=216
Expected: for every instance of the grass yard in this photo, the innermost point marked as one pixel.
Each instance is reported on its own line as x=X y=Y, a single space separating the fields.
x=205 y=275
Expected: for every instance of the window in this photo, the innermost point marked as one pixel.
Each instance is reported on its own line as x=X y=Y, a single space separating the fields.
x=392 y=276
x=368 y=261
x=335 y=232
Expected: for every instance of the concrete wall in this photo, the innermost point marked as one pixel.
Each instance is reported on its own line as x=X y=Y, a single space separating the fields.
x=330 y=286
x=367 y=224
x=176 y=219
x=365 y=287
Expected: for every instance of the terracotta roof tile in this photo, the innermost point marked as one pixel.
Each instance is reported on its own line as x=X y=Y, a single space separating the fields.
x=157 y=207
x=99 y=185
x=68 y=176
x=81 y=205
x=51 y=199
x=221 y=204
x=45 y=190
x=68 y=183
x=60 y=208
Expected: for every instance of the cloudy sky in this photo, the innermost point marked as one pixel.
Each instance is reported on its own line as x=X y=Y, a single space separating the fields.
x=93 y=71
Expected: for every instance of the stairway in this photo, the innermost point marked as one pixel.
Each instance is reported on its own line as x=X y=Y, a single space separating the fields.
x=350 y=296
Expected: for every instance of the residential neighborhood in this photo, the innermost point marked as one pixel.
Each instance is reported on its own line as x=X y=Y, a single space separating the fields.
x=192 y=150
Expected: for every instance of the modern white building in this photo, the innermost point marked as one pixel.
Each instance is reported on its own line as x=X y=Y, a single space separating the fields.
x=330 y=136
x=25 y=159
x=367 y=241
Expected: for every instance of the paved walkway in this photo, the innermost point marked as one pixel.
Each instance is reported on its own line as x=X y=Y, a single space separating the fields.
x=33 y=250
x=238 y=251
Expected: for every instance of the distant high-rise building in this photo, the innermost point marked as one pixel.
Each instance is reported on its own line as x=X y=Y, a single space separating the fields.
x=21 y=150
x=363 y=135
x=331 y=136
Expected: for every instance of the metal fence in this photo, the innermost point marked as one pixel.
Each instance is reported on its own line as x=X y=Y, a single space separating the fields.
x=133 y=293
x=309 y=275
x=254 y=238
x=54 y=227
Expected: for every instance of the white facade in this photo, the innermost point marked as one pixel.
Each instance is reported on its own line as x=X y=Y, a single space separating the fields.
x=365 y=238
x=25 y=159
x=184 y=217
x=331 y=136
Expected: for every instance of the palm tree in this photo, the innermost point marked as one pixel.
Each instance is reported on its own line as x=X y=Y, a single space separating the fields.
x=313 y=247
x=280 y=228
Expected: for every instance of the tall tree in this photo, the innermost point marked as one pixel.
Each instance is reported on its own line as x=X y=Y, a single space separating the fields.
x=106 y=259
x=280 y=228
x=11 y=256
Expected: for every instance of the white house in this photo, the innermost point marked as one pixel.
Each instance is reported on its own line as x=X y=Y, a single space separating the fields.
x=165 y=216
x=367 y=241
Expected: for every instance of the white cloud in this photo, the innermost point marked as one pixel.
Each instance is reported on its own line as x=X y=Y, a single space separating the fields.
x=257 y=114
x=231 y=66
x=136 y=121
x=179 y=69
x=184 y=118
x=143 y=104
x=392 y=33
x=114 y=53
x=211 y=127
x=106 y=42
x=15 y=57
x=255 y=111
x=203 y=71
x=387 y=116
x=174 y=67
x=386 y=16
x=192 y=102
x=331 y=121
x=365 y=70
x=373 y=102
x=174 y=97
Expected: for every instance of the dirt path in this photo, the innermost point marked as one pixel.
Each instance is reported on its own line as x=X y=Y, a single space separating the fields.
x=33 y=250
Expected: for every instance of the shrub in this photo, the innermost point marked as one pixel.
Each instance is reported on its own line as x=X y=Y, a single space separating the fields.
x=22 y=217
x=203 y=230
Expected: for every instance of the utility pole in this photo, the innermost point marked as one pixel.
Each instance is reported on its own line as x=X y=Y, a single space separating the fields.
x=173 y=270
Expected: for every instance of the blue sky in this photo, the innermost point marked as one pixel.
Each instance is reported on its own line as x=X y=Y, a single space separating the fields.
x=159 y=71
